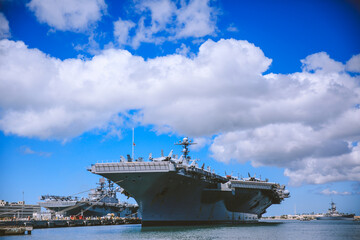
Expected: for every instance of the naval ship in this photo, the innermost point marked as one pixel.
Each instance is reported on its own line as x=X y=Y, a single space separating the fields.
x=176 y=191
x=101 y=201
x=333 y=214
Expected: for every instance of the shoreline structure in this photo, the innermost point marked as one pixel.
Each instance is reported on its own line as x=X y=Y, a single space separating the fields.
x=19 y=227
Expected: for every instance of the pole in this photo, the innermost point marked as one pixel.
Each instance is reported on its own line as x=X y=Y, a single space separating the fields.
x=133 y=144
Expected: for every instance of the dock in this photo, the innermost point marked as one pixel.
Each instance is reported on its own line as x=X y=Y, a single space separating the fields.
x=20 y=227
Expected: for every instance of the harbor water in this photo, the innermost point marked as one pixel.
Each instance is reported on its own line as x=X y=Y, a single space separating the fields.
x=287 y=229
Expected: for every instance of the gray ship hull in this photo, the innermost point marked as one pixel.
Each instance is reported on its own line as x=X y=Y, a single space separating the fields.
x=335 y=218
x=167 y=197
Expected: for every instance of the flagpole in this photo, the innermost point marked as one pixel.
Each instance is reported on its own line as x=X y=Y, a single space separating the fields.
x=133 y=143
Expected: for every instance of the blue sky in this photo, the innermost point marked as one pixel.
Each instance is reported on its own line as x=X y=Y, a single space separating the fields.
x=266 y=87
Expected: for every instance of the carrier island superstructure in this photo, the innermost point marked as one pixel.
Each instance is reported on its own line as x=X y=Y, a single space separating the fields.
x=176 y=191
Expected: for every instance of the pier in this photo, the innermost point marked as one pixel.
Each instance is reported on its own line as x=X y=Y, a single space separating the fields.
x=19 y=227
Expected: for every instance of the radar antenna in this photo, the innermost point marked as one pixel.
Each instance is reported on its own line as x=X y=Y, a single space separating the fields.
x=185 y=143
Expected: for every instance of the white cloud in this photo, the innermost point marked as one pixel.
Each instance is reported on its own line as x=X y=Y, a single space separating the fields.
x=308 y=156
x=273 y=144
x=161 y=12
x=68 y=15
x=183 y=50
x=345 y=167
x=321 y=62
x=353 y=65
x=74 y=96
x=196 y=19
x=164 y=20
x=327 y=191
x=4 y=27
x=121 y=30
x=200 y=142
x=305 y=122
x=144 y=34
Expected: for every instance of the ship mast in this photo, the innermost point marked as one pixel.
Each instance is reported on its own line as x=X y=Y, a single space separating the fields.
x=185 y=143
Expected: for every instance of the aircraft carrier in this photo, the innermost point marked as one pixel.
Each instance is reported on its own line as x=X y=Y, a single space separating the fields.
x=176 y=191
x=101 y=201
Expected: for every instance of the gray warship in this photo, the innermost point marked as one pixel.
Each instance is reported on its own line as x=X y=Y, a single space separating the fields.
x=101 y=201
x=333 y=214
x=176 y=191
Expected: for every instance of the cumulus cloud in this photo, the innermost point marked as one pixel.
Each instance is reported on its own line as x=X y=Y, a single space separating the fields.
x=327 y=191
x=161 y=12
x=161 y=20
x=195 y=19
x=4 y=27
x=310 y=125
x=321 y=62
x=68 y=15
x=285 y=144
x=306 y=122
x=353 y=65
x=344 y=167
